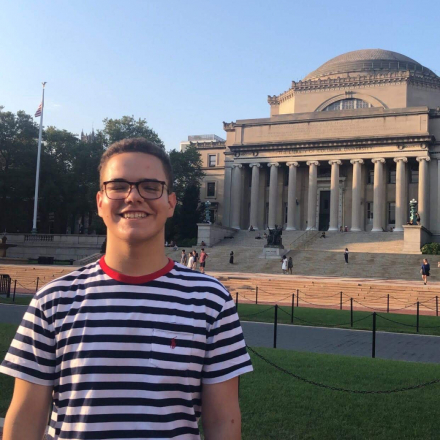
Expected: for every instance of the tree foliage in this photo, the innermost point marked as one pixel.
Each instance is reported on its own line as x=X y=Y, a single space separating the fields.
x=69 y=178
x=128 y=127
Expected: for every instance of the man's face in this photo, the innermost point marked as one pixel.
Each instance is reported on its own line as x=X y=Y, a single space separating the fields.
x=134 y=219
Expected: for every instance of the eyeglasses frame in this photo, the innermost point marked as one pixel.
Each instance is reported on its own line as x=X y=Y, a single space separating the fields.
x=136 y=184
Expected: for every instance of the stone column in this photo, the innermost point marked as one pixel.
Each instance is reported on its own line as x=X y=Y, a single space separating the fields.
x=313 y=187
x=334 y=195
x=236 y=196
x=273 y=194
x=255 y=193
x=291 y=196
x=356 y=195
x=423 y=202
x=400 y=193
x=379 y=195
x=226 y=219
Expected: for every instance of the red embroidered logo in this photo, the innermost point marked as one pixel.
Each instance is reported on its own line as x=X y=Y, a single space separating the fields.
x=173 y=343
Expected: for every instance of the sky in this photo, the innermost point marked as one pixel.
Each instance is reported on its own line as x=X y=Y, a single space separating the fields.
x=187 y=66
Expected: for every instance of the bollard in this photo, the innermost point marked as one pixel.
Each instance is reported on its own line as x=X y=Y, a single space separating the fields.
x=256 y=295
x=297 y=297
x=351 y=312
x=236 y=302
x=388 y=303
x=340 y=306
x=275 y=327
x=293 y=308
x=436 y=306
x=418 y=305
x=15 y=288
x=38 y=280
x=373 y=352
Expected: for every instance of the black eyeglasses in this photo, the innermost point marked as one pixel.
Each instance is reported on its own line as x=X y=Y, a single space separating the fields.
x=120 y=189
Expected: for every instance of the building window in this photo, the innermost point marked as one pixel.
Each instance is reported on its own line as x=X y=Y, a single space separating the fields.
x=391 y=213
x=347 y=104
x=392 y=176
x=414 y=175
x=369 y=212
x=210 y=189
x=370 y=177
x=212 y=160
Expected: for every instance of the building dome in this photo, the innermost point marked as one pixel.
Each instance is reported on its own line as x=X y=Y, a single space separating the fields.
x=367 y=62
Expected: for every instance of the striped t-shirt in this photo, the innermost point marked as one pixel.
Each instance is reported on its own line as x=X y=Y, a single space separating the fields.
x=127 y=356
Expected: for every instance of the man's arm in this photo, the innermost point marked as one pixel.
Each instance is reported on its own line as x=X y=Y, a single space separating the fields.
x=221 y=416
x=29 y=411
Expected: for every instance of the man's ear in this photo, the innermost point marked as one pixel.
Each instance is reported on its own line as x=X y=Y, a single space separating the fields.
x=99 y=202
x=172 y=201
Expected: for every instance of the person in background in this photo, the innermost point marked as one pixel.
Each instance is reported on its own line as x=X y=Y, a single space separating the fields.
x=424 y=270
x=346 y=255
x=231 y=257
x=290 y=266
x=196 y=259
x=284 y=264
x=322 y=234
x=251 y=228
x=203 y=256
x=190 y=264
x=183 y=258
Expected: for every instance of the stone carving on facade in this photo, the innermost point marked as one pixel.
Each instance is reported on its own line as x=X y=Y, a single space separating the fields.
x=228 y=126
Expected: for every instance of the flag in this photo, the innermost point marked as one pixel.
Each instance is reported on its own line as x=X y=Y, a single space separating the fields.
x=38 y=112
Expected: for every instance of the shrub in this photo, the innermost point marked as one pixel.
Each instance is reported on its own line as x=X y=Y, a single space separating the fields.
x=187 y=242
x=431 y=249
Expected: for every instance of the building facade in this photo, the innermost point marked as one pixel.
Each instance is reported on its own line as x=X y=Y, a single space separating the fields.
x=350 y=145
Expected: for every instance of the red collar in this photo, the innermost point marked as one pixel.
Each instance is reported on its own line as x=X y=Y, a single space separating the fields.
x=134 y=280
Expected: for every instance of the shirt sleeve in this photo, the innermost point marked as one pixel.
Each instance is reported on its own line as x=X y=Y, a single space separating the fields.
x=31 y=355
x=226 y=356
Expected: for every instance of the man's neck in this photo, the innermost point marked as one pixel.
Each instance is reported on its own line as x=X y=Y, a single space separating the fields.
x=138 y=260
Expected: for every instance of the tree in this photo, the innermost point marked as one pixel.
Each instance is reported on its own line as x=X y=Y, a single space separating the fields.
x=127 y=127
x=188 y=175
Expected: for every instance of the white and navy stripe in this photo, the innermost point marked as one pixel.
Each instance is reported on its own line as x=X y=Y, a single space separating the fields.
x=127 y=356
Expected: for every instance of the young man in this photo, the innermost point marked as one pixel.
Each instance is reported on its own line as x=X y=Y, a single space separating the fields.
x=183 y=258
x=124 y=345
x=203 y=257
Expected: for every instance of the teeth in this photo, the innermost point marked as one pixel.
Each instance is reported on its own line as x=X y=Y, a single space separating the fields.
x=134 y=215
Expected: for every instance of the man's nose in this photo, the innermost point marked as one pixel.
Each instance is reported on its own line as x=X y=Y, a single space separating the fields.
x=134 y=195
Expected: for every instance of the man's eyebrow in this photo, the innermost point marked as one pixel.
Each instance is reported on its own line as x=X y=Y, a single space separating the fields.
x=120 y=179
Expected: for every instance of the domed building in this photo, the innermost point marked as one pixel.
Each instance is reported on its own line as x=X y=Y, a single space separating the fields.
x=349 y=145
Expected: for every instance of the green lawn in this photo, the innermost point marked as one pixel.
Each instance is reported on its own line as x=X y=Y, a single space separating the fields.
x=276 y=406
x=429 y=325
x=20 y=300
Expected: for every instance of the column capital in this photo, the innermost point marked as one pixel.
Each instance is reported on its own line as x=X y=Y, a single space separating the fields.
x=237 y=165
x=292 y=164
x=353 y=161
x=398 y=159
x=335 y=162
x=312 y=162
x=419 y=159
x=273 y=164
x=378 y=160
x=258 y=165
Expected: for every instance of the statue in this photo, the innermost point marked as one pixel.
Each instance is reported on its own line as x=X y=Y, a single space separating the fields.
x=207 y=213
x=274 y=237
x=413 y=212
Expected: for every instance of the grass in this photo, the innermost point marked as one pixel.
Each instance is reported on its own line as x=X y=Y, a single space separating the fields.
x=276 y=406
x=428 y=325
x=19 y=300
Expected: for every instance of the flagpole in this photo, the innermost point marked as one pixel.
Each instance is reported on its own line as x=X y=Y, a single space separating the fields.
x=37 y=177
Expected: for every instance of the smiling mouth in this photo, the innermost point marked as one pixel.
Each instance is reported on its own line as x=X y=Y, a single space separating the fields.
x=134 y=215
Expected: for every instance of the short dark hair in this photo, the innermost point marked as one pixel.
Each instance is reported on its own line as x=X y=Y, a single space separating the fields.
x=139 y=145
x=203 y=249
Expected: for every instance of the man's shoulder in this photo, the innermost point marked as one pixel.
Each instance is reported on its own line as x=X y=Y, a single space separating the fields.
x=70 y=281
x=190 y=278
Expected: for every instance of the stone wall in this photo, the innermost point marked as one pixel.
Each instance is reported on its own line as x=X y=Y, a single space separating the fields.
x=212 y=234
x=61 y=247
